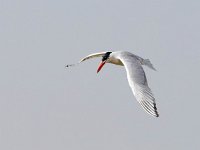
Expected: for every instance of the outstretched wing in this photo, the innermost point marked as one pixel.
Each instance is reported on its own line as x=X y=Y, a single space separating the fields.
x=138 y=83
x=92 y=56
x=87 y=57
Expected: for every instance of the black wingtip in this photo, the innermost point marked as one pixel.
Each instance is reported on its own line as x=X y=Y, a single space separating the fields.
x=157 y=115
x=70 y=65
x=155 y=108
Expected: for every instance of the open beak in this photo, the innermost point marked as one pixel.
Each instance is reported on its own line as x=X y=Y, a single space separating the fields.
x=101 y=66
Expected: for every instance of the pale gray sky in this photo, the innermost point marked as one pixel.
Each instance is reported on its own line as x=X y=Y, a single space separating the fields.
x=45 y=106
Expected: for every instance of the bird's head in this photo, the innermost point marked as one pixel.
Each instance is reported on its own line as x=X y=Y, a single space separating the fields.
x=105 y=58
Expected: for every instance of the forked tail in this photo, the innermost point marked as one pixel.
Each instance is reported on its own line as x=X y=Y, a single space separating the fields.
x=147 y=63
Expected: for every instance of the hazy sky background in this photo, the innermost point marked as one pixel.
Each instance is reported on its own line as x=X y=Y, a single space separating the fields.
x=45 y=106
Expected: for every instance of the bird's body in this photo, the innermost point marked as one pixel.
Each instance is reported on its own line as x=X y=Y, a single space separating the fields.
x=135 y=74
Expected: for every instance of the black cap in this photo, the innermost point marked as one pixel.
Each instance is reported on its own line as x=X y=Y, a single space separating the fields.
x=106 y=56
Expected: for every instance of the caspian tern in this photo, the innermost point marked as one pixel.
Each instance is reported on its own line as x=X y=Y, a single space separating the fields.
x=135 y=74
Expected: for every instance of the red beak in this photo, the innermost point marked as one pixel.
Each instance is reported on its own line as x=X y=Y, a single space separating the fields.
x=101 y=65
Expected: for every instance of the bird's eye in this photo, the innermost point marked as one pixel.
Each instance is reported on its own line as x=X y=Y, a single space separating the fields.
x=104 y=58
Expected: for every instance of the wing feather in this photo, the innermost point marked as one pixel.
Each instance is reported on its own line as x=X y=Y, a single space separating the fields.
x=138 y=83
x=92 y=56
x=86 y=58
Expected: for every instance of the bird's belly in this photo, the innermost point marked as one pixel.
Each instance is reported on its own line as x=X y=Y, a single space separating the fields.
x=116 y=62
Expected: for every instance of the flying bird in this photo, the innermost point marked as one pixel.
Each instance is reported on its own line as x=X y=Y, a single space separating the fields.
x=135 y=74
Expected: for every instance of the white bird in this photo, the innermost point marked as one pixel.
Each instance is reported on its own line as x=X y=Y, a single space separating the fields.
x=135 y=74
